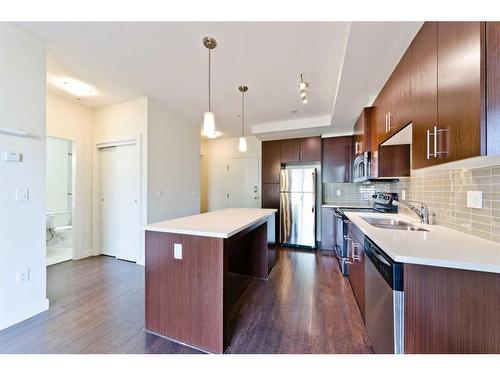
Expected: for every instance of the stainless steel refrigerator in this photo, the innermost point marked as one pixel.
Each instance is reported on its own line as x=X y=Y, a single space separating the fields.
x=298 y=207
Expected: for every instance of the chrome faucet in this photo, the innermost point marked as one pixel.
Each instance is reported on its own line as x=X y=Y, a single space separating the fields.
x=418 y=208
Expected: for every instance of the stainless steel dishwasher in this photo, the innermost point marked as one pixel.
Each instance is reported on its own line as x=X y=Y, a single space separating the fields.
x=384 y=300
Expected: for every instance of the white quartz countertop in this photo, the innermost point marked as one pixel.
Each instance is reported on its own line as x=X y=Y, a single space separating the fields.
x=440 y=246
x=220 y=223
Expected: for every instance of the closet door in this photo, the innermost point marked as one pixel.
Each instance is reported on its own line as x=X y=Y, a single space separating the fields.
x=120 y=201
x=109 y=242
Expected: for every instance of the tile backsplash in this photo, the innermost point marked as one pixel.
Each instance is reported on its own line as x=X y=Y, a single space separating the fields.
x=445 y=193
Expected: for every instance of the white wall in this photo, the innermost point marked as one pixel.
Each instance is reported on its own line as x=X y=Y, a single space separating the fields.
x=173 y=164
x=22 y=224
x=57 y=174
x=214 y=156
x=69 y=120
x=119 y=122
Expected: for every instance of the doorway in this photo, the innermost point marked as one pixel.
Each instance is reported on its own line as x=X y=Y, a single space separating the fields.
x=119 y=167
x=59 y=195
x=243 y=183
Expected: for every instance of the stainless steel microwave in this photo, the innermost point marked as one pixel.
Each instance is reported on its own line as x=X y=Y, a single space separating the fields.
x=361 y=170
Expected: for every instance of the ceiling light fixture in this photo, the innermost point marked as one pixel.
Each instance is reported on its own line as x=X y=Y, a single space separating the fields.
x=303 y=86
x=243 y=141
x=75 y=87
x=209 y=117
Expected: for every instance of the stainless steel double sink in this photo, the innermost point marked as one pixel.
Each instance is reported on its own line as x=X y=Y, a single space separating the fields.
x=392 y=224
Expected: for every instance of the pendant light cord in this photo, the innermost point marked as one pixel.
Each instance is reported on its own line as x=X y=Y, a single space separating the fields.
x=243 y=114
x=209 y=88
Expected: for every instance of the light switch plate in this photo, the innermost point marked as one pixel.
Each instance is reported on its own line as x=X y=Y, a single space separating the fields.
x=339 y=192
x=177 y=251
x=475 y=199
x=22 y=195
x=13 y=156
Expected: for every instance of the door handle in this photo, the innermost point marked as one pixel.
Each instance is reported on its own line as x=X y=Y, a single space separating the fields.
x=428 y=138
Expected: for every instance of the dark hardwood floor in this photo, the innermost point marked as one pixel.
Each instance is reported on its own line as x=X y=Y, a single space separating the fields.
x=97 y=306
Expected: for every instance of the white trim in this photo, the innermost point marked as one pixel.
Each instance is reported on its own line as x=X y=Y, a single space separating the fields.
x=23 y=313
x=14 y=132
x=126 y=142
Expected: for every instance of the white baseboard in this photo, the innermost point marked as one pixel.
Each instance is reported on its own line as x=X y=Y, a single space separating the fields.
x=23 y=313
x=85 y=254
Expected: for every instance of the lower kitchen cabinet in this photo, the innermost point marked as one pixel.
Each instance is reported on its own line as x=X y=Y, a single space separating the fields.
x=451 y=311
x=357 y=266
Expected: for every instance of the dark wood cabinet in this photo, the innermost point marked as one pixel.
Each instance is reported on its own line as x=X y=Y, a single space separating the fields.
x=361 y=138
x=493 y=87
x=400 y=113
x=310 y=149
x=394 y=161
x=357 y=266
x=424 y=92
x=461 y=91
x=381 y=109
x=448 y=92
x=336 y=159
x=271 y=162
x=451 y=311
x=290 y=150
x=270 y=195
x=327 y=228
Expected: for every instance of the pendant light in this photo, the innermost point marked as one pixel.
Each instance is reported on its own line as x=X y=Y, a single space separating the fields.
x=303 y=86
x=209 y=117
x=243 y=141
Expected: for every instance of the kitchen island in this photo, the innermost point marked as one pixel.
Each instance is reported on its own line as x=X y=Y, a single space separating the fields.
x=187 y=265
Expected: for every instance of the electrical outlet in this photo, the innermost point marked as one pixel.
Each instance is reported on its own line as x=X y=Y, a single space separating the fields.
x=23 y=276
x=177 y=251
x=339 y=192
x=475 y=199
x=403 y=194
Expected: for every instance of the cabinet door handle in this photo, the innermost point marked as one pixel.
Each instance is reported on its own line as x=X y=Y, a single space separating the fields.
x=428 y=138
x=389 y=120
x=435 y=142
x=386 y=122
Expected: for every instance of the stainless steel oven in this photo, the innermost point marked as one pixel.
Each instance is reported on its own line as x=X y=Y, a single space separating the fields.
x=361 y=168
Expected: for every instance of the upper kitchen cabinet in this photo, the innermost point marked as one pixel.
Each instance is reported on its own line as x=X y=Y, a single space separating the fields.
x=310 y=149
x=450 y=98
x=459 y=132
x=392 y=108
x=362 y=132
x=290 y=150
x=424 y=91
x=400 y=113
x=336 y=159
x=271 y=163
x=493 y=87
x=380 y=113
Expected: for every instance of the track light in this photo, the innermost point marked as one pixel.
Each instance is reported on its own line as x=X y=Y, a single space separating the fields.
x=303 y=86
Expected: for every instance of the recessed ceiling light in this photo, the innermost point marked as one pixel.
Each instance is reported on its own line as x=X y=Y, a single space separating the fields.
x=75 y=87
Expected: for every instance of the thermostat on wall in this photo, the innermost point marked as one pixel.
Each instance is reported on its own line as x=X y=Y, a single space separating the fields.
x=13 y=156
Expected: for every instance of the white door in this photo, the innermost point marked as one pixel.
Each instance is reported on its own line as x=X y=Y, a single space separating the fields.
x=120 y=197
x=243 y=183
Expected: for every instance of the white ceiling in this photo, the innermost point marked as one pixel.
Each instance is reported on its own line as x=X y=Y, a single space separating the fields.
x=345 y=64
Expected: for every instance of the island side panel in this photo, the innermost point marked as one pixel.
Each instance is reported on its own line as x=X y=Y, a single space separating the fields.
x=184 y=298
x=451 y=311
